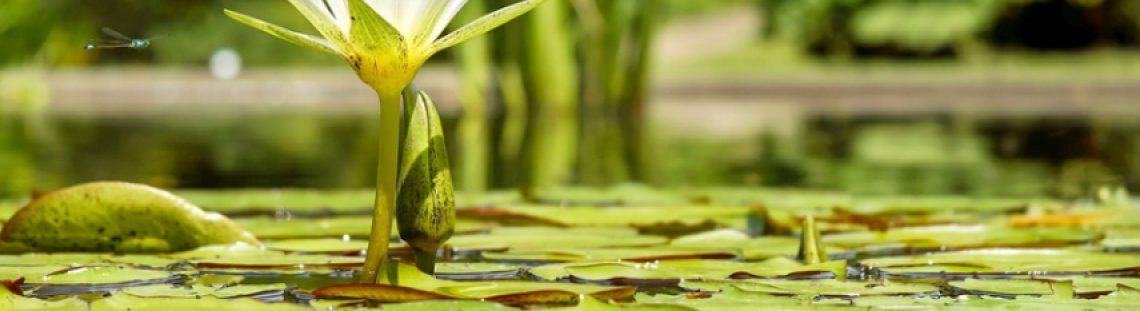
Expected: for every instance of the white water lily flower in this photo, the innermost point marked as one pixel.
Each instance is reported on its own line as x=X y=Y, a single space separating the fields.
x=386 y=41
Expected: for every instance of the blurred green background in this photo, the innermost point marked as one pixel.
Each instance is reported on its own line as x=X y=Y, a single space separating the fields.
x=978 y=97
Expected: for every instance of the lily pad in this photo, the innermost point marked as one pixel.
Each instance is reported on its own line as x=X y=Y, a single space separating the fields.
x=335 y=246
x=815 y=287
x=202 y=291
x=281 y=264
x=122 y=302
x=11 y=301
x=962 y=237
x=1044 y=286
x=688 y=269
x=529 y=238
x=444 y=305
x=592 y=304
x=109 y=275
x=30 y=272
x=1008 y=261
x=751 y=248
x=118 y=217
x=600 y=254
x=685 y=218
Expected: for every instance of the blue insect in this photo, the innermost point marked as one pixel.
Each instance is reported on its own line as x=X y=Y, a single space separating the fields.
x=119 y=41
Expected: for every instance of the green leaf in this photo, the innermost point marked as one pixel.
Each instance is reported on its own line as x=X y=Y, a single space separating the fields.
x=484 y=24
x=685 y=269
x=759 y=248
x=1009 y=261
x=593 y=304
x=599 y=254
x=285 y=34
x=281 y=264
x=447 y=305
x=9 y=301
x=522 y=239
x=105 y=275
x=118 y=217
x=824 y=287
x=170 y=291
x=122 y=302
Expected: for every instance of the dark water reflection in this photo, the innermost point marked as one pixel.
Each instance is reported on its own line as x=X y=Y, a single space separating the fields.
x=887 y=155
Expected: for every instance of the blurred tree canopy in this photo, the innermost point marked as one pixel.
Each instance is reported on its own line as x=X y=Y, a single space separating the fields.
x=947 y=27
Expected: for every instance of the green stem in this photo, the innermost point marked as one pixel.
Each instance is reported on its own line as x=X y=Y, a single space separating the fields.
x=375 y=264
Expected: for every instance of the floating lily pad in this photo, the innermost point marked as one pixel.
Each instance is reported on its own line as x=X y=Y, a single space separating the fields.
x=30 y=272
x=445 y=305
x=416 y=286
x=122 y=302
x=688 y=269
x=592 y=304
x=36 y=259
x=281 y=199
x=751 y=248
x=1043 y=286
x=600 y=254
x=1008 y=261
x=815 y=287
x=11 y=301
x=274 y=229
x=685 y=218
x=225 y=251
x=529 y=238
x=336 y=246
x=107 y=275
x=477 y=271
x=974 y=236
x=281 y=264
x=202 y=291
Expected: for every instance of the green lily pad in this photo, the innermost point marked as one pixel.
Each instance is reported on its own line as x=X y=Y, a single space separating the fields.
x=36 y=259
x=637 y=217
x=443 y=305
x=975 y=236
x=274 y=229
x=281 y=264
x=13 y=302
x=1042 y=286
x=752 y=249
x=591 y=304
x=122 y=302
x=686 y=269
x=281 y=199
x=30 y=272
x=202 y=291
x=601 y=254
x=417 y=286
x=814 y=287
x=529 y=238
x=337 y=246
x=1010 y=261
x=118 y=217
x=106 y=275
x=225 y=251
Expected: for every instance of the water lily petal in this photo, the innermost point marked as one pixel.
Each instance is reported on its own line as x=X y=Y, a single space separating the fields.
x=380 y=55
x=317 y=13
x=484 y=24
x=286 y=34
x=339 y=9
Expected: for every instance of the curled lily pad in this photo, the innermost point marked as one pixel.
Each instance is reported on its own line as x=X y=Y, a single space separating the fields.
x=688 y=269
x=118 y=217
x=600 y=254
